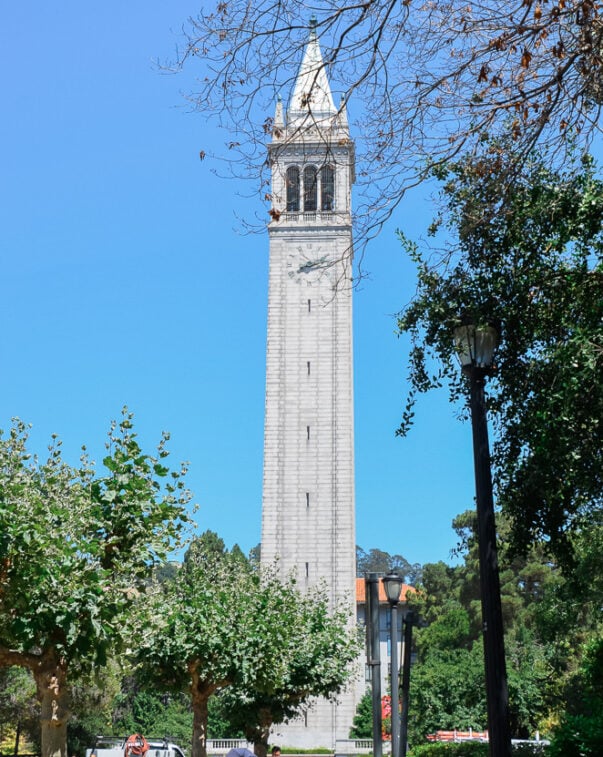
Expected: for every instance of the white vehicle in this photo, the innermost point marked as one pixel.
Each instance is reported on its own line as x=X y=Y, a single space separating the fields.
x=134 y=746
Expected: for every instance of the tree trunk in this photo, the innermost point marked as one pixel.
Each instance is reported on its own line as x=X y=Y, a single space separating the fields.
x=260 y=742
x=200 y=694
x=51 y=678
x=17 y=736
x=199 y=745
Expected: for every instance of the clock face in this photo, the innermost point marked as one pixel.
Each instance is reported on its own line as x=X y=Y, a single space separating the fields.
x=307 y=257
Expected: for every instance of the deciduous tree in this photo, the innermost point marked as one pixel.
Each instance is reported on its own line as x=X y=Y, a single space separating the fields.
x=530 y=257
x=76 y=550
x=223 y=623
x=426 y=81
x=320 y=651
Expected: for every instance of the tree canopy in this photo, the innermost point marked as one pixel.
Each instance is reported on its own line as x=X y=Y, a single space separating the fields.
x=552 y=623
x=224 y=624
x=321 y=651
x=529 y=257
x=378 y=561
x=76 y=551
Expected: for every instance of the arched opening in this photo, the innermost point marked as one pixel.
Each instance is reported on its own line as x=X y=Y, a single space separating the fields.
x=310 y=189
x=327 y=188
x=292 y=181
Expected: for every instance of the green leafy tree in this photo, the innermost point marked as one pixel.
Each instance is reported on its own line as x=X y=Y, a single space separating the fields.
x=447 y=684
x=18 y=708
x=218 y=722
x=529 y=256
x=447 y=691
x=378 y=561
x=76 y=551
x=92 y=700
x=580 y=733
x=319 y=651
x=149 y=710
x=362 y=725
x=266 y=638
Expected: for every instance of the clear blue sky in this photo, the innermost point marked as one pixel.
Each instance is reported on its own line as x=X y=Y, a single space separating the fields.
x=124 y=280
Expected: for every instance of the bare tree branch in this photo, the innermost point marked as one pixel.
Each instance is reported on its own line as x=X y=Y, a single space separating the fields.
x=424 y=82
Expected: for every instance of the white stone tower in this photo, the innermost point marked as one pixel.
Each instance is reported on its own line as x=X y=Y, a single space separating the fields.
x=308 y=493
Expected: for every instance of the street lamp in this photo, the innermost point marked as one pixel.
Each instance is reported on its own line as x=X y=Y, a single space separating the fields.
x=392 y=583
x=475 y=347
x=411 y=619
x=373 y=656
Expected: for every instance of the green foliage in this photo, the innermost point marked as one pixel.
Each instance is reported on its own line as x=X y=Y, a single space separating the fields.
x=578 y=736
x=176 y=721
x=200 y=629
x=144 y=709
x=77 y=549
x=362 y=725
x=378 y=561
x=442 y=749
x=218 y=723
x=271 y=644
x=148 y=709
x=447 y=692
x=473 y=749
x=92 y=700
x=255 y=554
x=447 y=683
x=315 y=654
x=451 y=630
x=529 y=256
x=580 y=733
x=18 y=707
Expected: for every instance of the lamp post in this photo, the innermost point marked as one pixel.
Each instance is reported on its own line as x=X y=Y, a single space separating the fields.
x=373 y=656
x=408 y=622
x=392 y=583
x=475 y=346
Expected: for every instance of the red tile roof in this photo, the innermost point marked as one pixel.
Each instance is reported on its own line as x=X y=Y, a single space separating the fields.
x=361 y=591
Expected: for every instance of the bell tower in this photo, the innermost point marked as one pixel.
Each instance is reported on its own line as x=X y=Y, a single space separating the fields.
x=308 y=489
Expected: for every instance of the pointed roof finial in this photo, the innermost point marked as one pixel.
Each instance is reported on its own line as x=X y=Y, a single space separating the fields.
x=279 y=121
x=342 y=116
x=312 y=93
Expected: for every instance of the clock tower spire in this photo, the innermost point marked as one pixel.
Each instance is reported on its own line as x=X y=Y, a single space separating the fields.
x=308 y=489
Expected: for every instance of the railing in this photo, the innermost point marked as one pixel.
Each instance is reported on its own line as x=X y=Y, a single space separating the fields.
x=343 y=747
x=357 y=746
x=326 y=216
x=222 y=746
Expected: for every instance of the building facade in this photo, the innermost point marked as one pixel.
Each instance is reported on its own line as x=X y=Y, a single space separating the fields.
x=308 y=488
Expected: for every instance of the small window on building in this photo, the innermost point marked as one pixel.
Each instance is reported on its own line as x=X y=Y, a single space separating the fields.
x=307 y=570
x=292 y=181
x=327 y=188
x=310 y=189
x=308 y=366
x=307 y=499
x=308 y=433
x=309 y=306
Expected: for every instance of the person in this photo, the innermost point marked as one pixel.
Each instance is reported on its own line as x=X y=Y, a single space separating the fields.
x=275 y=751
x=240 y=752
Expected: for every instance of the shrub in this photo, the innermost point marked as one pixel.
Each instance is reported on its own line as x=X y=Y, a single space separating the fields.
x=448 y=749
x=480 y=749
